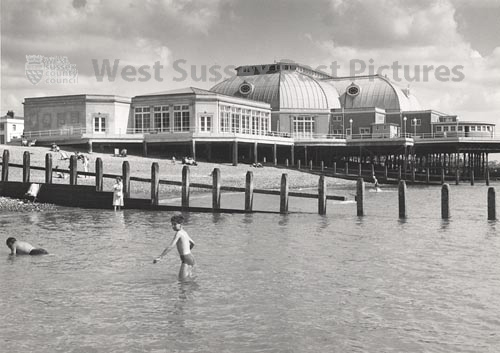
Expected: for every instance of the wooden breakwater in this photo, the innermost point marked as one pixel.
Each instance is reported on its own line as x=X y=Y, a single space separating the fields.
x=95 y=197
x=445 y=200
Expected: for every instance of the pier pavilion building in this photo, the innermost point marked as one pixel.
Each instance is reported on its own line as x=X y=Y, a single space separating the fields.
x=280 y=113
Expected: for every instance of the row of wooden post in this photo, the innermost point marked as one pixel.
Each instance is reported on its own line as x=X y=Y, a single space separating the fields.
x=400 y=172
x=402 y=200
x=155 y=182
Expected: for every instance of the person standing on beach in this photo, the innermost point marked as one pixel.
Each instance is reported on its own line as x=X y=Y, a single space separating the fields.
x=118 y=194
x=85 y=162
x=184 y=244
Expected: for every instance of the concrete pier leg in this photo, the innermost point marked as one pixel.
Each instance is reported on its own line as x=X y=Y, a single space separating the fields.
x=235 y=153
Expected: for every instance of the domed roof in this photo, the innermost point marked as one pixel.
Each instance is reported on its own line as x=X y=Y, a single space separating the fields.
x=283 y=90
x=374 y=91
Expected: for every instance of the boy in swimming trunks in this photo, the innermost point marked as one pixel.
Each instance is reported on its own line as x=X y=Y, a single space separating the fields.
x=18 y=247
x=184 y=245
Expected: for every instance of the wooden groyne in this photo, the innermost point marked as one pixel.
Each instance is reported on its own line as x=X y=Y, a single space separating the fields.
x=95 y=197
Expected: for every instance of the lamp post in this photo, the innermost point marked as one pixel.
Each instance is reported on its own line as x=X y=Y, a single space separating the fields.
x=458 y=119
x=415 y=126
x=404 y=129
x=350 y=124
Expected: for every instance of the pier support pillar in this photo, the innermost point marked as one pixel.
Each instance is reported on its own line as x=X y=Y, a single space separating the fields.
x=98 y=174
x=155 y=184
x=235 y=153
x=26 y=167
x=284 y=194
x=5 y=165
x=402 y=199
x=48 y=168
x=445 y=201
x=185 y=186
x=249 y=192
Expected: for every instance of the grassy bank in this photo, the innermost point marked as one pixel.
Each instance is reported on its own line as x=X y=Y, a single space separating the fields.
x=264 y=178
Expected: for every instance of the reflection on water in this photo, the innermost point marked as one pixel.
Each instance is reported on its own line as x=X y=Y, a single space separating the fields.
x=263 y=282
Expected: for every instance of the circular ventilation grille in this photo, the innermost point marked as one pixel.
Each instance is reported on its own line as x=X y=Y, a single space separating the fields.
x=246 y=88
x=353 y=90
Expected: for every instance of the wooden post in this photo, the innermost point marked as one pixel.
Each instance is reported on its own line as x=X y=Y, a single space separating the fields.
x=334 y=168
x=98 y=174
x=284 y=194
x=292 y=155
x=322 y=195
x=185 y=186
x=48 y=168
x=255 y=153
x=193 y=149
x=402 y=199
x=155 y=184
x=249 y=192
x=216 y=189
x=472 y=176
x=275 y=154
x=492 y=212
x=235 y=153
x=360 y=197
x=26 y=167
x=445 y=201
x=487 y=177
x=73 y=170
x=5 y=165
x=298 y=164
x=126 y=179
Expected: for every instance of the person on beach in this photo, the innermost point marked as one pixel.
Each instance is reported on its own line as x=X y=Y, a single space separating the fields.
x=184 y=244
x=18 y=247
x=85 y=162
x=375 y=182
x=118 y=194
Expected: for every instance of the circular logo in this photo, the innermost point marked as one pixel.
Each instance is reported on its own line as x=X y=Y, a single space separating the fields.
x=245 y=88
x=353 y=90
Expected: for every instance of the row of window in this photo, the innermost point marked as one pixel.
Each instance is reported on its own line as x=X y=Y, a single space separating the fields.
x=161 y=118
x=461 y=128
x=244 y=121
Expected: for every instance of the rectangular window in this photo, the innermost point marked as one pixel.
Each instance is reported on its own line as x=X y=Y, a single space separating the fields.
x=416 y=122
x=472 y=128
x=364 y=130
x=162 y=118
x=337 y=131
x=99 y=124
x=235 y=120
x=206 y=123
x=2 y=126
x=303 y=125
x=439 y=129
x=255 y=122
x=181 y=118
x=337 y=118
x=142 y=120
x=225 y=114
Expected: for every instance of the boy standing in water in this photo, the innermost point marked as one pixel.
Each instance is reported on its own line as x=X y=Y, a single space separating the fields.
x=184 y=245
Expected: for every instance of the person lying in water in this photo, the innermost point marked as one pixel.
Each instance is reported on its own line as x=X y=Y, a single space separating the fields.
x=18 y=247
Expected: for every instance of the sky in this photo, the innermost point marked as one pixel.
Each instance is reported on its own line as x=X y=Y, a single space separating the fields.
x=446 y=51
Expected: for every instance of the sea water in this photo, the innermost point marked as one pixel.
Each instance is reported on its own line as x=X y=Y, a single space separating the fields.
x=263 y=282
